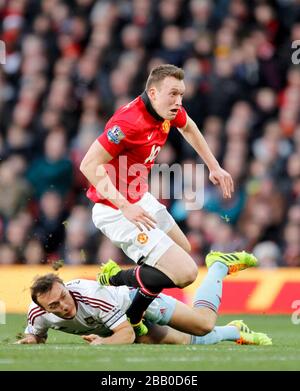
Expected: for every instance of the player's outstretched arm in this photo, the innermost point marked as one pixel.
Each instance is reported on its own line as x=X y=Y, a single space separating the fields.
x=122 y=334
x=218 y=176
x=30 y=339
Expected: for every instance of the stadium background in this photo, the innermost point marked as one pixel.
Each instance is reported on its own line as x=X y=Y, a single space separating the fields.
x=70 y=64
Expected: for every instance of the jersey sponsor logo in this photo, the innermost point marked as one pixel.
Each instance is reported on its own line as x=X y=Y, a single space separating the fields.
x=154 y=152
x=142 y=238
x=166 y=126
x=90 y=320
x=115 y=134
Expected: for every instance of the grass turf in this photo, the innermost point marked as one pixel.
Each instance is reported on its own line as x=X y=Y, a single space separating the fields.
x=68 y=352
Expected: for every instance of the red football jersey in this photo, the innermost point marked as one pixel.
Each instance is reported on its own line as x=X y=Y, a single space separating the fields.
x=133 y=136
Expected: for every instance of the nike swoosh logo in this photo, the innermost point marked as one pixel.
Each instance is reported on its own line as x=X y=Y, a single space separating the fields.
x=150 y=136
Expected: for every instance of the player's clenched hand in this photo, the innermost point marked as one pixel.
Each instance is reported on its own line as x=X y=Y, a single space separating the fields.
x=93 y=339
x=221 y=177
x=138 y=216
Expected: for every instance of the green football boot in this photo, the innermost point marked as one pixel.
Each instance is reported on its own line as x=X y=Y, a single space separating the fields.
x=140 y=328
x=249 y=337
x=107 y=270
x=234 y=261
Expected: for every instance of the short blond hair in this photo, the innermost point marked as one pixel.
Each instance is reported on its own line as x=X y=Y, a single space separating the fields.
x=160 y=72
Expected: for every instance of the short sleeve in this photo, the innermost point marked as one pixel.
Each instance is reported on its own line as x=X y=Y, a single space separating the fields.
x=181 y=118
x=113 y=318
x=36 y=325
x=115 y=137
x=109 y=310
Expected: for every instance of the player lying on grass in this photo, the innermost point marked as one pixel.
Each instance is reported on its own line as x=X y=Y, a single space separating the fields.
x=98 y=313
x=208 y=296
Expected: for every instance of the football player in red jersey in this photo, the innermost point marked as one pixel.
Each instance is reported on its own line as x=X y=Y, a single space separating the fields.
x=117 y=165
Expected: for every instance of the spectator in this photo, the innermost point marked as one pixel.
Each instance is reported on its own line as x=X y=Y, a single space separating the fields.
x=34 y=253
x=8 y=255
x=69 y=65
x=14 y=190
x=49 y=228
x=269 y=255
x=53 y=171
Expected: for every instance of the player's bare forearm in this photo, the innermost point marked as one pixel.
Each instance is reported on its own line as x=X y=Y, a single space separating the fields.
x=123 y=334
x=106 y=188
x=218 y=176
x=195 y=138
x=31 y=339
x=92 y=167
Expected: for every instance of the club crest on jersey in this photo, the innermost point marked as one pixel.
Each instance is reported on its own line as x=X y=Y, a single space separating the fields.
x=166 y=126
x=142 y=238
x=90 y=320
x=115 y=134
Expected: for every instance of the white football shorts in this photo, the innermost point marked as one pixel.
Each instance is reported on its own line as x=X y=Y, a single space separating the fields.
x=147 y=246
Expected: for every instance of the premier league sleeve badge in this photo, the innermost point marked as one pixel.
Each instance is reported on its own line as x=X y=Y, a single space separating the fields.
x=115 y=134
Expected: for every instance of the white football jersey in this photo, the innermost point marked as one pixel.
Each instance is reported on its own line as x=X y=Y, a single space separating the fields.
x=100 y=309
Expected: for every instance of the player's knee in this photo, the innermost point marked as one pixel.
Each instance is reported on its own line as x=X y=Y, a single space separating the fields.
x=202 y=326
x=189 y=275
x=206 y=326
x=192 y=275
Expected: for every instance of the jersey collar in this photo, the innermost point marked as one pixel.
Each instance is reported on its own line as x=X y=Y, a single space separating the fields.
x=149 y=107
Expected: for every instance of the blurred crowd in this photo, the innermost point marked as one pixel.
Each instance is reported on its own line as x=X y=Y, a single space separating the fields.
x=71 y=63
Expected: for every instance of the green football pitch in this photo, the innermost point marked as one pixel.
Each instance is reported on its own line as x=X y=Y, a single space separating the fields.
x=68 y=352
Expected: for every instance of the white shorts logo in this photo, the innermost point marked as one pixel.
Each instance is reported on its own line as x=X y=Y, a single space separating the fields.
x=142 y=238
